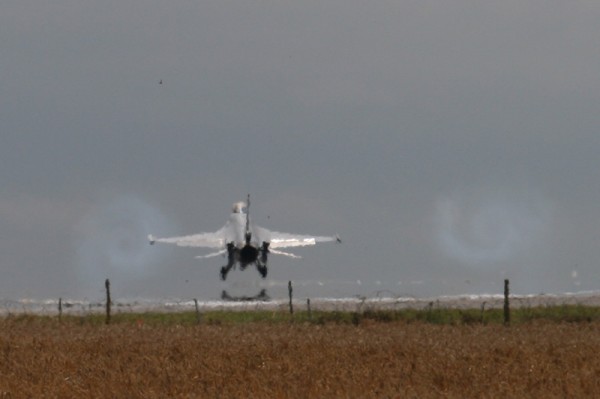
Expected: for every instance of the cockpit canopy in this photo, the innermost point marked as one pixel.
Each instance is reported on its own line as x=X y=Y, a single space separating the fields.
x=240 y=207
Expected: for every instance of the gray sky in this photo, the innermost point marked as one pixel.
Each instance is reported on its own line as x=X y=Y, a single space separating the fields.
x=451 y=144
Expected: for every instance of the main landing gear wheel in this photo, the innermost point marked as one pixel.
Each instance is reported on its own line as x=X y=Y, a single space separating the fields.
x=262 y=270
x=224 y=271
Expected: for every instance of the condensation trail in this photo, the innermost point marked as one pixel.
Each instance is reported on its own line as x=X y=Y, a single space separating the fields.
x=113 y=238
x=484 y=229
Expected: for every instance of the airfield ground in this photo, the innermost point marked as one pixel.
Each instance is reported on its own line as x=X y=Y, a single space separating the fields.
x=78 y=307
x=368 y=357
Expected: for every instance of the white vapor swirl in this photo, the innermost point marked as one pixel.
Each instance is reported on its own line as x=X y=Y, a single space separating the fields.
x=113 y=238
x=484 y=229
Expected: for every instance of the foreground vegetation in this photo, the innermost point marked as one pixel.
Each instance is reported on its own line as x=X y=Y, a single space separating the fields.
x=546 y=352
x=432 y=314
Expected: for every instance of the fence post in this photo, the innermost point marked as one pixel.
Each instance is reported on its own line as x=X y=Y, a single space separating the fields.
x=108 y=301
x=308 y=308
x=482 y=312
x=506 y=304
x=59 y=310
x=290 y=292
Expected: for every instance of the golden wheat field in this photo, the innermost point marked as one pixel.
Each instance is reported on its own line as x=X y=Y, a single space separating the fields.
x=47 y=359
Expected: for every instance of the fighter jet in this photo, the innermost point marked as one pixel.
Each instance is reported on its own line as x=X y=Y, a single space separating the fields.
x=243 y=242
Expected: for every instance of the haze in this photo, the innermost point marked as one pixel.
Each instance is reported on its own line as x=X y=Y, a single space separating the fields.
x=450 y=144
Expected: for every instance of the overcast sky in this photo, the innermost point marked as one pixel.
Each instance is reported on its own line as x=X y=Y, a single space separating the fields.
x=451 y=144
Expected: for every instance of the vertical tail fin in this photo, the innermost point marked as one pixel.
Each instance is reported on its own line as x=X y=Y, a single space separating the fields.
x=248 y=233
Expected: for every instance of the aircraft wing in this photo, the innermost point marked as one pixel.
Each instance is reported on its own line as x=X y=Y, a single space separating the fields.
x=287 y=240
x=217 y=239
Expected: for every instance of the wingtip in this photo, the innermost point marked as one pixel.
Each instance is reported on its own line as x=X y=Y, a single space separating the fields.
x=151 y=239
x=338 y=239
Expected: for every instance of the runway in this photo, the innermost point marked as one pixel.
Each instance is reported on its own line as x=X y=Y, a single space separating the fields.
x=50 y=307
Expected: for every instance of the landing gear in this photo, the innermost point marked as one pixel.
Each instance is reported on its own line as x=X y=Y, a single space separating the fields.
x=246 y=256
x=230 y=261
x=261 y=265
x=264 y=252
x=262 y=269
x=224 y=271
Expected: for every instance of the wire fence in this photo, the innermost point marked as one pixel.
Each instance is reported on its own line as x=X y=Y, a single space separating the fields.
x=377 y=301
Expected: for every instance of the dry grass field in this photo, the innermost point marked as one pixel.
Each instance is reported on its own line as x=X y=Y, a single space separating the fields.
x=42 y=358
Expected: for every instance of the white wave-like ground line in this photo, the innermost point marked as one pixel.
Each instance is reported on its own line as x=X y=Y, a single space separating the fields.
x=133 y=305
